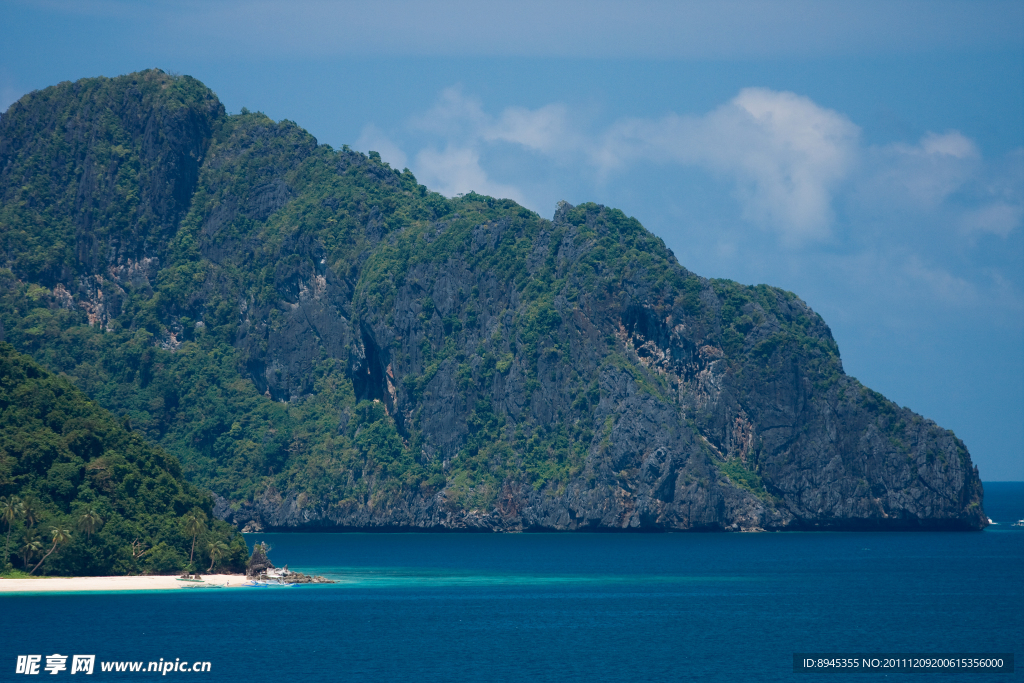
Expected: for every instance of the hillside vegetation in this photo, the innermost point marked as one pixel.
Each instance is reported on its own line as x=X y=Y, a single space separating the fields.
x=88 y=493
x=322 y=341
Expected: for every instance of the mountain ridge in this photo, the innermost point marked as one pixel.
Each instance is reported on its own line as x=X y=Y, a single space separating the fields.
x=325 y=343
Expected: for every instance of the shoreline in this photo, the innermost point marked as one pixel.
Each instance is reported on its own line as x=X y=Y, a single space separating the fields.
x=76 y=584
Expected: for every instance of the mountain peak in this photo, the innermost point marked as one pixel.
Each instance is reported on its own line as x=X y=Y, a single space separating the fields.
x=324 y=342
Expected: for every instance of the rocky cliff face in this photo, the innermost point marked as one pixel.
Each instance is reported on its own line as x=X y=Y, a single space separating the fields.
x=403 y=361
x=682 y=425
x=94 y=179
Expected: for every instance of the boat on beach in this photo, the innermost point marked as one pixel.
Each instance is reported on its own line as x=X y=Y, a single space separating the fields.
x=256 y=583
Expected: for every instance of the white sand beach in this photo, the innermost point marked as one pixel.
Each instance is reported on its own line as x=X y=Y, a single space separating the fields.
x=115 y=583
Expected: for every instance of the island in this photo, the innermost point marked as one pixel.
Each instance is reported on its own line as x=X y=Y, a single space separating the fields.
x=322 y=343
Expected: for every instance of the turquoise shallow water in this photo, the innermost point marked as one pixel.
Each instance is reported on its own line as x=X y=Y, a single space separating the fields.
x=555 y=607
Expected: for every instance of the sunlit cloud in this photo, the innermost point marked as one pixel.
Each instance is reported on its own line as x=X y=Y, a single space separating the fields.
x=372 y=139
x=1000 y=190
x=453 y=114
x=938 y=282
x=546 y=130
x=457 y=170
x=996 y=219
x=787 y=160
x=925 y=173
x=783 y=152
x=945 y=180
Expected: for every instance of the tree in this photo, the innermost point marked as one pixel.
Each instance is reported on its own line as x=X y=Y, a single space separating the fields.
x=125 y=493
x=60 y=537
x=89 y=522
x=30 y=510
x=10 y=509
x=30 y=546
x=217 y=551
x=195 y=524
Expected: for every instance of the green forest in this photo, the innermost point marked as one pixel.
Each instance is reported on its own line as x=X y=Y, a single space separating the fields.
x=82 y=494
x=274 y=322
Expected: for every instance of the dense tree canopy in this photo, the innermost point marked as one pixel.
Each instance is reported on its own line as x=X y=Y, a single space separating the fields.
x=74 y=480
x=318 y=338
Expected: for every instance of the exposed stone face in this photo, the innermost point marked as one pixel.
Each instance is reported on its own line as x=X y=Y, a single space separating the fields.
x=815 y=452
x=308 y=319
x=684 y=403
x=61 y=139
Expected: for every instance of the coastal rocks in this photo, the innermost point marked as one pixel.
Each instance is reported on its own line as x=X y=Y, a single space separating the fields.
x=260 y=568
x=286 y=576
x=258 y=562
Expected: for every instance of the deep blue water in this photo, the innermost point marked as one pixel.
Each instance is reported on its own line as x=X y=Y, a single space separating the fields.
x=555 y=607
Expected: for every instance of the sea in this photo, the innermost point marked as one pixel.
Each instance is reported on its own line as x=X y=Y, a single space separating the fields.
x=452 y=607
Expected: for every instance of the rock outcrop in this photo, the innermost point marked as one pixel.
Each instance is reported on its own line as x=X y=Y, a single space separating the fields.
x=402 y=361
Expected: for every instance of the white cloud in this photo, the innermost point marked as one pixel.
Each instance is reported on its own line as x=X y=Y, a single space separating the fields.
x=467 y=129
x=950 y=144
x=544 y=130
x=997 y=219
x=373 y=139
x=1001 y=188
x=945 y=180
x=457 y=170
x=784 y=152
x=926 y=173
x=792 y=150
x=787 y=159
x=938 y=283
x=456 y=115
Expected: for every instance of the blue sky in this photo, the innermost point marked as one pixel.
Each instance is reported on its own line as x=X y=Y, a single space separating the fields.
x=868 y=156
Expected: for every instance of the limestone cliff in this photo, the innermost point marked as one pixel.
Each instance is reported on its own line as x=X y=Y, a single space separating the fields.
x=326 y=343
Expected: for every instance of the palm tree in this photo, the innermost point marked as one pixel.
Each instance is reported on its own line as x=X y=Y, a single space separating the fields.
x=10 y=510
x=89 y=522
x=60 y=537
x=195 y=524
x=217 y=551
x=30 y=546
x=30 y=510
